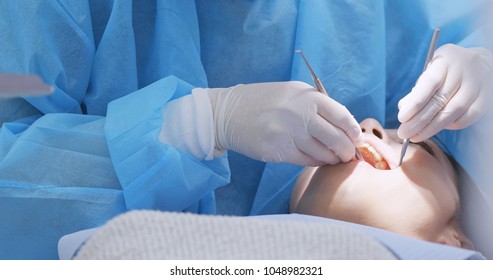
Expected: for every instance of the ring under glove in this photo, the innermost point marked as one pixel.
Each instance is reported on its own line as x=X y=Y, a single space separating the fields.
x=452 y=93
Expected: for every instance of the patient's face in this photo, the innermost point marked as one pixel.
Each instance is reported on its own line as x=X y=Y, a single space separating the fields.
x=418 y=199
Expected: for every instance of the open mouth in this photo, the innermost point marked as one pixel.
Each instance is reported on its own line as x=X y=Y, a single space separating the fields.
x=371 y=156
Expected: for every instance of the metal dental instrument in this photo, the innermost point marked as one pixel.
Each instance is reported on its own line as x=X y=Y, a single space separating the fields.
x=320 y=88
x=429 y=57
x=316 y=80
x=22 y=85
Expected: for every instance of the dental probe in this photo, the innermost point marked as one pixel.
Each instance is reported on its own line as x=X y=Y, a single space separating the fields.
x=320 y=88
x=429 y=56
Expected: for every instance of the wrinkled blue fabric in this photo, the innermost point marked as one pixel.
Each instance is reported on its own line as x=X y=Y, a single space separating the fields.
x=89 y=152
x=67 y=161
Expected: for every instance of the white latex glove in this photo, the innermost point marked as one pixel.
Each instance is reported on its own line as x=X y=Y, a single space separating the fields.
x=452 y=93
x=283 y=122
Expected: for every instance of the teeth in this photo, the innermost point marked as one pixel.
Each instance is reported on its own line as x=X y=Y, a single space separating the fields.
x=382 y=165
x=372 y=150
x=371 y=156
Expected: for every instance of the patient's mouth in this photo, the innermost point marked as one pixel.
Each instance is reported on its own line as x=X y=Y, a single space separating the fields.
x=371 y=156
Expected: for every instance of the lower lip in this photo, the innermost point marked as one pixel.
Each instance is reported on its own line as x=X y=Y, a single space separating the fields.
x=369 y=165
x=369 y=156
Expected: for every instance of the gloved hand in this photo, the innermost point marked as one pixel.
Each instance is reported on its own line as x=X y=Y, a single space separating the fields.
x=283 y=122
x=452 y=93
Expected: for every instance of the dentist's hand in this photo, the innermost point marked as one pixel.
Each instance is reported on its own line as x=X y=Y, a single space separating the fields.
x=283 y=122
x=452 y=93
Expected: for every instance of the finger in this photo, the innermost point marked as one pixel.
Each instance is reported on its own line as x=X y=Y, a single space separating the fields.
x=305 y=160
x=339 y=116
x=481 y=86
x=437 y=113
x=318 y=151
x=472 y=115
x=478 y=105
x=435 y=105
x=333 y=138
x=415 y=125
x=428 y=83
x=455 y=109
x=292 y=155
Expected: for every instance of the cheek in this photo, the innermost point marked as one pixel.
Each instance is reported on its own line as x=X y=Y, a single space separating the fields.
x=326 y=192
x=349 y=196
x=435 y=196
x=352 y=179
x=406 y=203
x=425 y=171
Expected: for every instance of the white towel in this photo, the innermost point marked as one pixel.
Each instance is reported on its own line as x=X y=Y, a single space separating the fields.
x=163 y=235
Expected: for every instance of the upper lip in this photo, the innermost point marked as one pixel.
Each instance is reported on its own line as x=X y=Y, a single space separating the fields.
x=383 y=149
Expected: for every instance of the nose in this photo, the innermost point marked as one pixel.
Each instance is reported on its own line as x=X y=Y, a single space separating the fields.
x=372 y=126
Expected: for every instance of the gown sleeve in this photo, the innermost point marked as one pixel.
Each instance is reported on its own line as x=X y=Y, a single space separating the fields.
x=67 y=162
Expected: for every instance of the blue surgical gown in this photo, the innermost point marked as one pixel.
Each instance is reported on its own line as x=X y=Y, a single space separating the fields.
x=77 y=158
